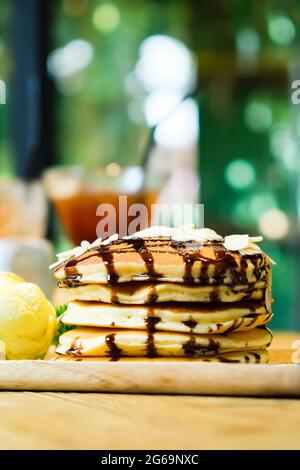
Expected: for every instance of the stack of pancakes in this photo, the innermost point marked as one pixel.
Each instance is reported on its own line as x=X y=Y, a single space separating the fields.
x=167 y=294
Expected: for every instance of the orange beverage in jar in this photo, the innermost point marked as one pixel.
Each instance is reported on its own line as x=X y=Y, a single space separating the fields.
x=77 y=194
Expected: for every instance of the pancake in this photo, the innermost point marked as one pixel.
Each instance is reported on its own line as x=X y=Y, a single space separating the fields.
x=163 y=259
x=195 y=317
x=134 y=343
x=166 y=293
x=136 y=293
x=258 y=356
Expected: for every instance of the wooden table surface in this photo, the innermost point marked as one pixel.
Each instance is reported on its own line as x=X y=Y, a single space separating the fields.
x=41 y=420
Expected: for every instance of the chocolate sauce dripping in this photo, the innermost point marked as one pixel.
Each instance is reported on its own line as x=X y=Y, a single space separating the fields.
x=72 y=280
x=214 y=295
x=243 y=270
x=203 y=278
x=72 y=276
x=152 y=295
x=70 y=268
x=74 y=349
x=223 y=261
x=191 y=348
x=252 y=307
x=229 y=361
x=113 y=350
x=139 y=245
x=108 y=260
x=114 y=299
x=151 y=321
x=188 y=259
x=190 y=324
x=253 y=321
x=234 y=326
x=151 y=348
x=257 y=357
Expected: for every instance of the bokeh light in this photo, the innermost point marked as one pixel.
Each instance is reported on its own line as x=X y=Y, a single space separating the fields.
x=136 y=110
x=248 y=43
x=70 y=59
x=159 y=104
x=274 y=224
x=165 y=64
x=240 y=212
x=281 y=30
x=260 y=202
x=181 y=129
x=249 y=208
x=283 y=146
x=106 y=17
x=132 y=179
x=166 y=73
x=258 y=116
x=113 y=169
x=240 y=174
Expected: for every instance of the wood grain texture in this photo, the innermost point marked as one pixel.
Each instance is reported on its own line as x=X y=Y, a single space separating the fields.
x=47 y=420
x=140 y=377
x=169 y=376
x=110 y=421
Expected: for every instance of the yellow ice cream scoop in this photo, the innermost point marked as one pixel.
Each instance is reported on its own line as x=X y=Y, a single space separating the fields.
x=27 y=319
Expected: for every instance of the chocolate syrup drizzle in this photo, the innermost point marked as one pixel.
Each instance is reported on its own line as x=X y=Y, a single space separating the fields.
x=191 y=348
x=74 y=348
x=150 y=322
x=222 y=260
x=256 y=356
x=191 y=324
x=108 y=260
x=139 y=245
x=114 y=351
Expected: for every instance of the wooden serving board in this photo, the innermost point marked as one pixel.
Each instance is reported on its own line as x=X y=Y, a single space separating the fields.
x=278 y=378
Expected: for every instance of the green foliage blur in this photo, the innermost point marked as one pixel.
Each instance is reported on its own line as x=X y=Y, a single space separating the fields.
x=249 y=130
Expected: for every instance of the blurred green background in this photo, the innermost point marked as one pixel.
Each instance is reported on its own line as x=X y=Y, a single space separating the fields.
x=243 y=56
